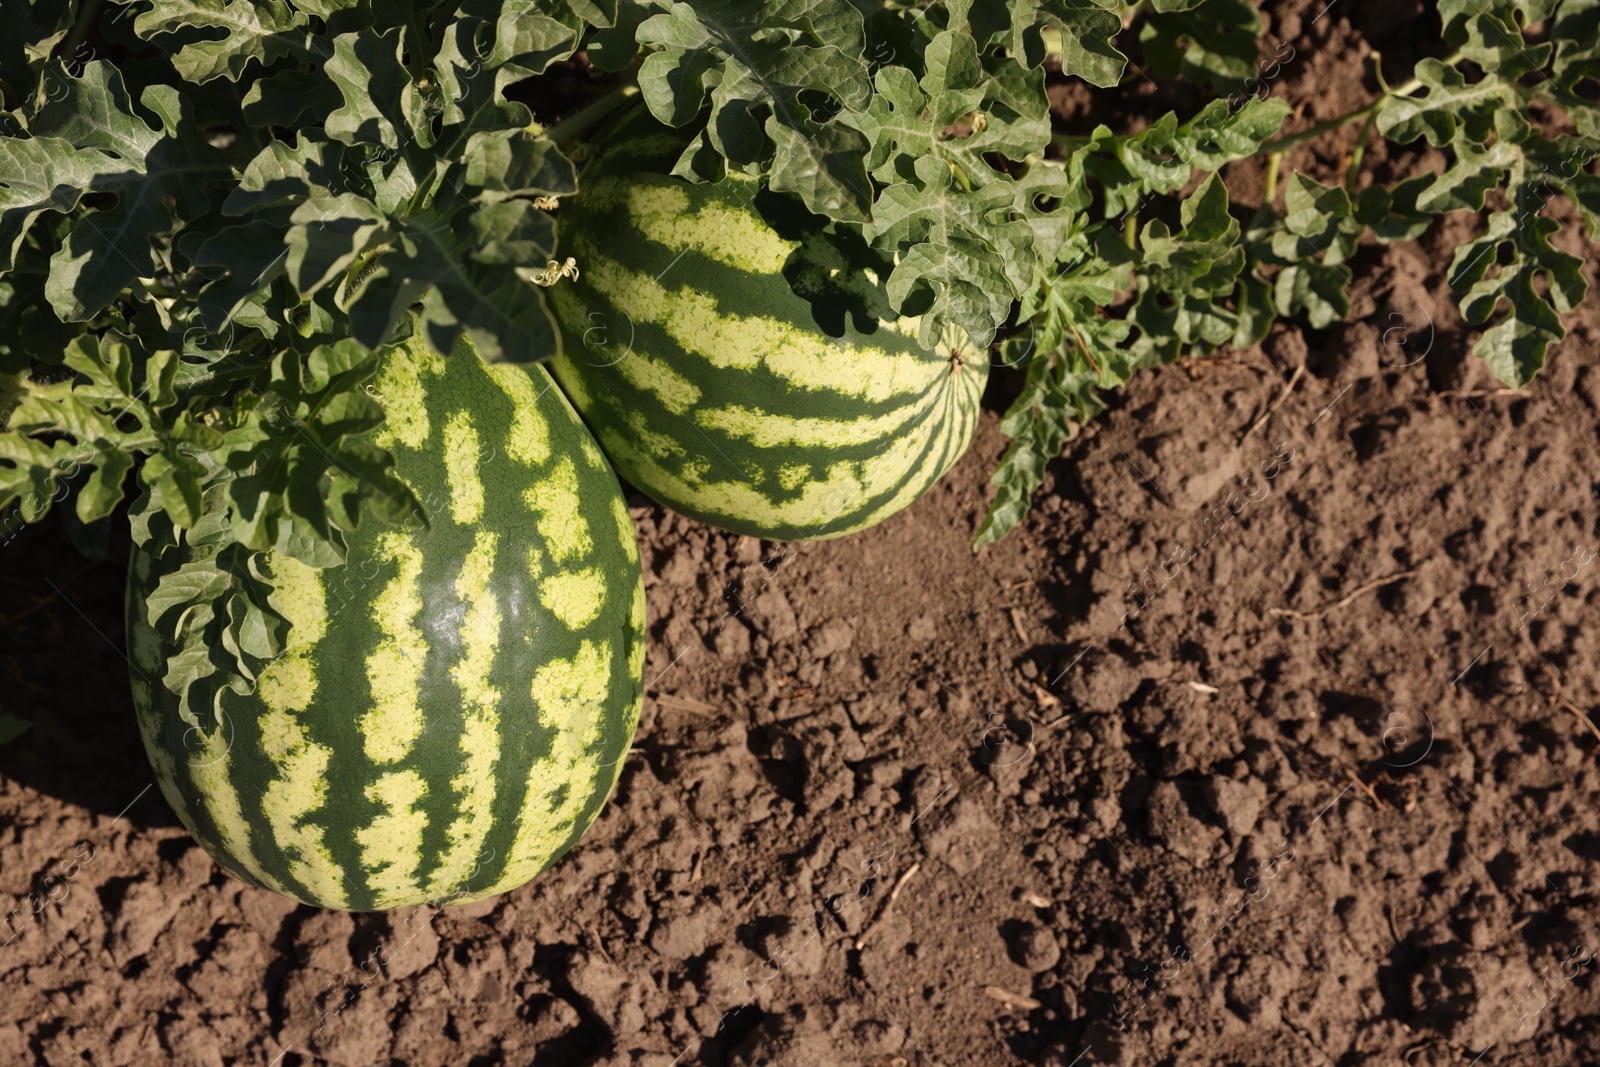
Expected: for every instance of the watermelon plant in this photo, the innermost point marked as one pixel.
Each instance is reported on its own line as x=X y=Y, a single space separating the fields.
x=771 y=250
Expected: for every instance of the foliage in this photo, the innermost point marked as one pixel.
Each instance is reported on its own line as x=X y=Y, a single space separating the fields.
x=12 y=728
x=1191 y=293
x=213 y=213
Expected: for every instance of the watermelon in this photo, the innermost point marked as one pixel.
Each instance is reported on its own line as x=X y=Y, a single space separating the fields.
x=736 y=355
x=455 y=702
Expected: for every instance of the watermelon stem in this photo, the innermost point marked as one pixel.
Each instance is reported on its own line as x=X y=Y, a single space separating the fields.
x=1085 y=348
x=569 y=128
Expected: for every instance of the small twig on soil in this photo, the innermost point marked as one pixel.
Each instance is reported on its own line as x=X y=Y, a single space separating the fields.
x=1552 y=699
x=601 y=945
x=1410 y=1054
x=1555 y=677
x=1201 y=687
x=1487 y=392
x=1045 y=698
x=1341 y=602
x=1294 y=379
x=904 y=878
x=893 y=896
x=1424 y=399
x=1394 y=930
x=1582 y=716
x=689 y=704
x=1367 y=789
x=1014 y=1000
x=1200 y=366
x=1016 y=624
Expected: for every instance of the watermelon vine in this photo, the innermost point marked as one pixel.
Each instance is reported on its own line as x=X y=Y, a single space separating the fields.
x=219 y=219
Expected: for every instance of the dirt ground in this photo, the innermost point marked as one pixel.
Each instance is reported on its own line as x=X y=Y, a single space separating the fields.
x=1270 y=739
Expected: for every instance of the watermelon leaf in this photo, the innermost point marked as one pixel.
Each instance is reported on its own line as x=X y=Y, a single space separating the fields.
x=205 y=243
x=753 y=60
x=252 y=32
x=1082 y=37
x=213 y=610
x=1206 y=42
x=1475 y=104
x=12 y=728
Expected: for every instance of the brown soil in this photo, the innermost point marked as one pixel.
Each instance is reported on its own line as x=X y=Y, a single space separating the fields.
x=1310 y=785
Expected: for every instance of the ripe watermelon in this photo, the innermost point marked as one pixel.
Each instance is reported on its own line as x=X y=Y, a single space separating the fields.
x=736 y=357
x=454 y=703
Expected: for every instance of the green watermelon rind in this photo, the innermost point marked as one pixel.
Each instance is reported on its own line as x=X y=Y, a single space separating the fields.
x=735 y=355
x=455 y=702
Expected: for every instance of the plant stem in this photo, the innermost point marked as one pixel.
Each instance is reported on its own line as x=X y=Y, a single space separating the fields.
x=80 y=29
x=423 y=192
x=1274 y=163
x=1284 y=143
x=960 y=175
x=564 y=131
x=1084 y=349
x=417 y=33
x=590 y=116
x=1357 y=152
x=1377 y=72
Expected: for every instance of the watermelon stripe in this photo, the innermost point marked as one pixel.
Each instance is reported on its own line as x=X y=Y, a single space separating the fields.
x=528 y=441
x=299 y=785
x=725 y=233
x=451 y=459
x=703 y=331
x=570 y=693
x=461 y=458
x=736 y=357
x=454 y=703
x=480 y=741
x=394 y=671
x=391 y=844
x=209 y=769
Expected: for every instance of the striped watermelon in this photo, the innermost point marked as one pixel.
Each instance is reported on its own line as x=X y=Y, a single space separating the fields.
x=455 y=703
x=735 y=355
